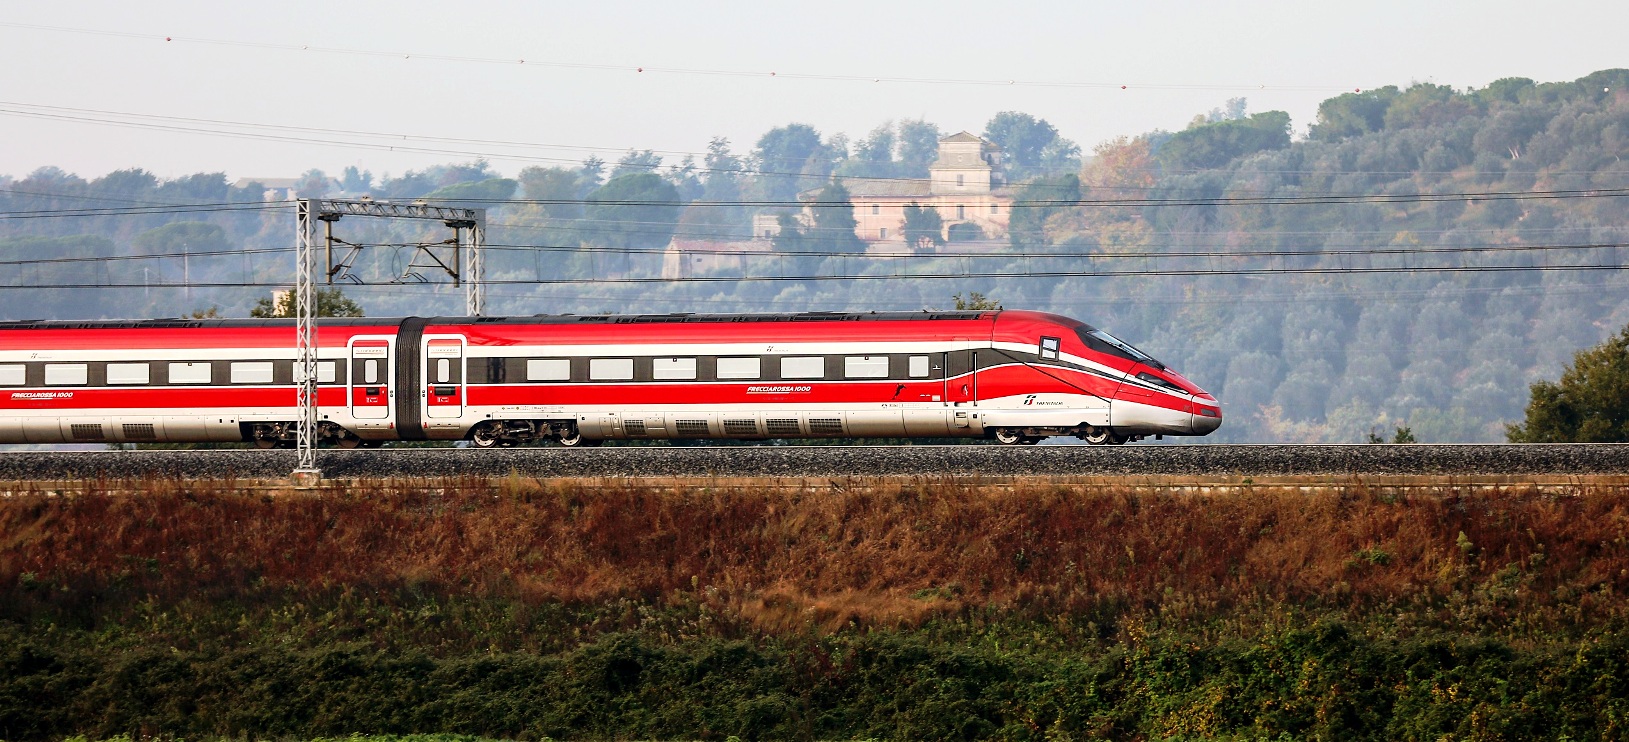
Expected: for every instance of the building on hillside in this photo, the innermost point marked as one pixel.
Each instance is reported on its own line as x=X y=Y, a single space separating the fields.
x=687 y=258
x=967 y=185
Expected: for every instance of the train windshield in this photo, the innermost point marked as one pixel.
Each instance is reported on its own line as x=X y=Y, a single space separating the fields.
x=1097 y=339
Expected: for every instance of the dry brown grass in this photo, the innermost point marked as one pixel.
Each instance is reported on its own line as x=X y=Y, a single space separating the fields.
x=792 y=558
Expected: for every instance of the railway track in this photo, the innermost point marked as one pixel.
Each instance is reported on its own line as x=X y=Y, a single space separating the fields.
x=1197 y=463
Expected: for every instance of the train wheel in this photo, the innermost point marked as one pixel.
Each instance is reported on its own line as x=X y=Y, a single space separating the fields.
x=1030 y=440
x=265 y=443
x=484 y=436
x=349 y=441
x=1100 y=436
x=1008 y=436
x=573 y=438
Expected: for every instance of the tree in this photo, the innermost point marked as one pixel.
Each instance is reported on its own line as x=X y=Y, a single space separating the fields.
x=313 y=184
x=477 y=193
x=1213 y=145
x=834 y=223
x=638 y=210
x=783 y=155
x=356 y=181
x=923 y=226
x=1028 y=142
x=918 y=147
x=1590 y=404
x=330 y=303
x=1031 y=209
x=1352 y=114
x=637 y=161
x=717 y=213
x=975 y=301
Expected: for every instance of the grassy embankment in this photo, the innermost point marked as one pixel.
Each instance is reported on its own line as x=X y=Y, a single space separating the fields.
x=928 y=609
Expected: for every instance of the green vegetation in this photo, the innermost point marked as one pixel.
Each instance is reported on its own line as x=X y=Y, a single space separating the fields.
x=922 y=610
x=330 y=303
x=1589 y=405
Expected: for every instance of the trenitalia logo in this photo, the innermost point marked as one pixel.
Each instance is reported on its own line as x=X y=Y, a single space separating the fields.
x=42 y=395
x=778 y=389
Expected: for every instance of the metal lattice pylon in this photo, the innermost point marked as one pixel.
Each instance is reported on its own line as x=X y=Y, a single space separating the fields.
x=468 y=227
x=305 y=341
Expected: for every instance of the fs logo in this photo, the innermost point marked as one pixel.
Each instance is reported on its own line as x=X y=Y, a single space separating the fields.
x=1029 y=400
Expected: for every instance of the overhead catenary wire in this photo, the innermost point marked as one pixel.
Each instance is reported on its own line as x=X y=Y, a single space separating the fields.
x=638 y=68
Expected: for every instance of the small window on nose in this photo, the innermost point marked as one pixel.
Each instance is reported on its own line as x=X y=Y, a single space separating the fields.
x=1049 y=349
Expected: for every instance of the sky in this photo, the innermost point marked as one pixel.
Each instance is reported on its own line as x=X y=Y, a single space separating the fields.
x=389 y=87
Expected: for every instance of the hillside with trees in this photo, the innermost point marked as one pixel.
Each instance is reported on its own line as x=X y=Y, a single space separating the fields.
x=1313 y=316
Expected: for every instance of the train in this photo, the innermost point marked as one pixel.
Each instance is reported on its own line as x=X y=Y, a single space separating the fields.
x=1011 y=376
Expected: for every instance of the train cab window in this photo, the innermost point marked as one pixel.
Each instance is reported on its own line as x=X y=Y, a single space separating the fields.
x=738 y=368
x=803 y=367
x=67 y=374
x=1049 y=349
x=919 y=367
x=251 y=372
x=443 y=370
x=190 y=373
x=121 y=374
x=672 y=368
x=370 y=371
x=865 y=367
x=610 y=369
x=548 y=369
x=1159 y=382
x=13 y=374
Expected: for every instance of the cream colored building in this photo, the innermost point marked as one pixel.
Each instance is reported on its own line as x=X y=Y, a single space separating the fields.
x=967 y=185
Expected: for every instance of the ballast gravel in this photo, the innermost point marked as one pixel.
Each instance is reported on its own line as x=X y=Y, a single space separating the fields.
x=1212 y=461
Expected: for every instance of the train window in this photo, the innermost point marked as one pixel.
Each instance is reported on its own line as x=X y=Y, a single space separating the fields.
x=66 y=374
x=865 y=367
x=1049 y=348
x=13 y=374
x=325 y=372
x=803 y=367
x=190 y=373
x=673 y=368
x=738 y=368
x=127 y=373
x=919 y=367
x=251 y=372
x=548 y=369
x=443 y=370
x=610 y=369
x=370 y=371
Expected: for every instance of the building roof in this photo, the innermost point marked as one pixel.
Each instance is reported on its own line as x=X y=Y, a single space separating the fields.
x=891 y=188
x=962 y=137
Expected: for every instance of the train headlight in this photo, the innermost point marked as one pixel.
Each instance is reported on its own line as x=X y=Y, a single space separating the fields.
x=1208 y=412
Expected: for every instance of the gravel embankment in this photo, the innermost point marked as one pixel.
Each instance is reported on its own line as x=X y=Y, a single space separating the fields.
x=836 y=461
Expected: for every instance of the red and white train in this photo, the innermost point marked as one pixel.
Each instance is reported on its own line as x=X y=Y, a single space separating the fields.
x=1014 y=376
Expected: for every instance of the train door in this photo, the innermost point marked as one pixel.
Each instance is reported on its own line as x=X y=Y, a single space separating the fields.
x=444 y=377
x=961 y=387
x=370 y=382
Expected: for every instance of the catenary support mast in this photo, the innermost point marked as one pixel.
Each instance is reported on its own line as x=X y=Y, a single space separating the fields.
x=465 y=268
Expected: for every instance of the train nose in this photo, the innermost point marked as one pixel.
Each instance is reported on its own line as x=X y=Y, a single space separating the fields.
x=1207 y=415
